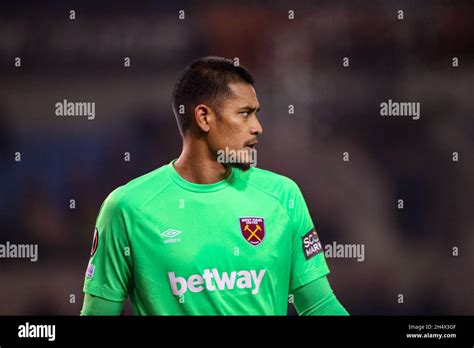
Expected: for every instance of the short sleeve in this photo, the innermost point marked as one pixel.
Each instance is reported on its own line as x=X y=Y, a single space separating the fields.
x=307 y=259
x=108 y=273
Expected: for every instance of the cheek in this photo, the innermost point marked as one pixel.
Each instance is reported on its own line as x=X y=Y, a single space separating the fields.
x=224 y=130
x=227 y=134
x=234 y=135
x=225 y=138
x=219 y=138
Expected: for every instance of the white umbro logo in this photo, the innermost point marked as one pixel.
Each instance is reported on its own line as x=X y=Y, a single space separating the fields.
x=171 y=236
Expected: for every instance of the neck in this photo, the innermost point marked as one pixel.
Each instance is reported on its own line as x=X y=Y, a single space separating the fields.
x=196 y=164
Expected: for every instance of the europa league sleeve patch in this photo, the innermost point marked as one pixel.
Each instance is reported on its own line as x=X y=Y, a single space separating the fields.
x=95 y=242
x=311 y=244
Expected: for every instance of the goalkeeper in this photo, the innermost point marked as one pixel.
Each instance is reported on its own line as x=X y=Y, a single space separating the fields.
x=208 y=233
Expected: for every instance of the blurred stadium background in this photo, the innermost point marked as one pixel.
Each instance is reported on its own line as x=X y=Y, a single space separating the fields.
x=296 y=62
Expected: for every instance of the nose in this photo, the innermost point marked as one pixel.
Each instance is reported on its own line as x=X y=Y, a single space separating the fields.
x=256 y=128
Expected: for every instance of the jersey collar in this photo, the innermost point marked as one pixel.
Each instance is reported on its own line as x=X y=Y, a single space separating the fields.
x=190 y=186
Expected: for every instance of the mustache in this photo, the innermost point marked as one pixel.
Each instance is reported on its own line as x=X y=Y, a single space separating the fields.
x=252 y=141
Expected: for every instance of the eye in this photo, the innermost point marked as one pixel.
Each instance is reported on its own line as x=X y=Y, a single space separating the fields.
x=245 y=113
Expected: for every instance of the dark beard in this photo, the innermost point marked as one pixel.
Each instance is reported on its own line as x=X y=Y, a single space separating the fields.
x=242 y=166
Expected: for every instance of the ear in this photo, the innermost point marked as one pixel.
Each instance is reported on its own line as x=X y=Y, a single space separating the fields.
x=203 y=115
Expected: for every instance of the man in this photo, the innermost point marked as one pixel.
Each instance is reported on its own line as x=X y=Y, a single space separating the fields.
x=209 y=234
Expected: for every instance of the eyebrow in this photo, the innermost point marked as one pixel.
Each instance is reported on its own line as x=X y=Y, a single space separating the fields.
x=249 y=108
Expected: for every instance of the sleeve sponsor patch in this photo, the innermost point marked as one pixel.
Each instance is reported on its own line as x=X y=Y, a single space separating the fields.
x=311 y=244
x=90 y=271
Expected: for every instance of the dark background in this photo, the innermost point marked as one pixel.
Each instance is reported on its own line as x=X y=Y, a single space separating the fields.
x=299 y=62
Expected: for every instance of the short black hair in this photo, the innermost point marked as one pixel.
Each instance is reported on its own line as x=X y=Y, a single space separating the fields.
x=205 y=81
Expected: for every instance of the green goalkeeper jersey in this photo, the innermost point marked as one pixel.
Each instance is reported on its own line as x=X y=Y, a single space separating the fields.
x=236 y=247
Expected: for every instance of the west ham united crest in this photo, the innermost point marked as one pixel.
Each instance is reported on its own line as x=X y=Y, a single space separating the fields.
x=253 y=229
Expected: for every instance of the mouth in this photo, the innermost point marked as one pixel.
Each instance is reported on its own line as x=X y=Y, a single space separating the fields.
x=252 y=145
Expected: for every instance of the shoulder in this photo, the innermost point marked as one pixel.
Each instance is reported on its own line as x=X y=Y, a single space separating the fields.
x=138 y=191
x=270 y=182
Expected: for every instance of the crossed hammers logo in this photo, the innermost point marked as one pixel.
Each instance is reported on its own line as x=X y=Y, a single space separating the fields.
x=253 y=233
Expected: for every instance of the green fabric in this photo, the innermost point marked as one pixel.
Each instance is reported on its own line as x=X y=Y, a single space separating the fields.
x=317 y=298
x=180 y=248
x=94 y=305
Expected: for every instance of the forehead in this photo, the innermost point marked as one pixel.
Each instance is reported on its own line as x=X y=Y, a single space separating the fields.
x=244 y=95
